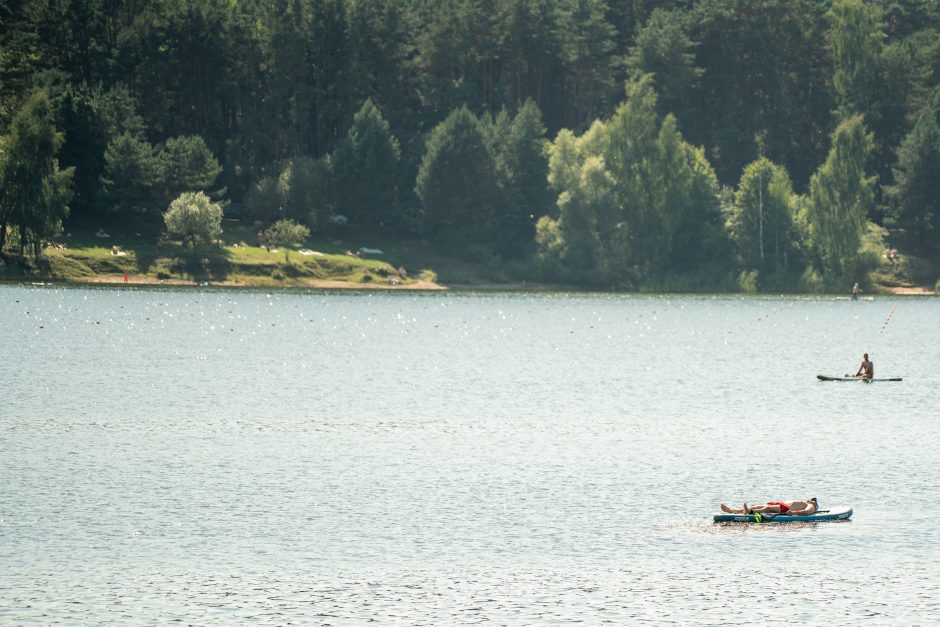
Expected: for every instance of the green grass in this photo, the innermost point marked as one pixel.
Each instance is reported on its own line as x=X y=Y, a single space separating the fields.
x=238 y=259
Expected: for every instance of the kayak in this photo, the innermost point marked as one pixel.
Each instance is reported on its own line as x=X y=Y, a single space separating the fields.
x=833 y=513
x=823 y=377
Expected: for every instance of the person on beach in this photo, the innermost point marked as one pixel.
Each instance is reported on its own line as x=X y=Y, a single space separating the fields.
x=855 y=291
x=796 y=507
x=867 y=369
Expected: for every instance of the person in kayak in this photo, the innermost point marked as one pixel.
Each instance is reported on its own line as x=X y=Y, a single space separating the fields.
x=796 y=507
x=867 y=369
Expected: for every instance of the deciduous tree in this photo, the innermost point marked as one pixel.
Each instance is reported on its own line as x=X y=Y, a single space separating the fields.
x=841 y=195
x=194 y=218
x=34 y=191
x=287 y=234
x=762 y=222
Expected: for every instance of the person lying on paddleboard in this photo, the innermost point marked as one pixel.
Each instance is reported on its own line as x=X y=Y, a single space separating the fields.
x=867 y=369
x=796 y=507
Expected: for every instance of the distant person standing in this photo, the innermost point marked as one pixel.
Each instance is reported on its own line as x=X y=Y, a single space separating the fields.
x=855 y=292
x=867 y=369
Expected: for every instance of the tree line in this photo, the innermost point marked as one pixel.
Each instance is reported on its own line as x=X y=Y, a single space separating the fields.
x=771 y=141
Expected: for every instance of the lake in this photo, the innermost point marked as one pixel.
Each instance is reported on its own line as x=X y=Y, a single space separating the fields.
x=211 y=456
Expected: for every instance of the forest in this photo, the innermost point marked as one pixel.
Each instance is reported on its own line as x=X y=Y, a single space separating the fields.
x=679 y=144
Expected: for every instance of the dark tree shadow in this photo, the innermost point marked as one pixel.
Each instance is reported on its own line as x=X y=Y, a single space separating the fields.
x=207 y=264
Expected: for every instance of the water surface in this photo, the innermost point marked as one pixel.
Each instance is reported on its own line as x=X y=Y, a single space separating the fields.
x=219 y=456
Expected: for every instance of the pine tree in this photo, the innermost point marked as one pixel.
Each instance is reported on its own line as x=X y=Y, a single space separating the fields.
x=521 y=149
x=131 y=174
x=366 y=168
x=458 y=183
x=664 y=49
x=187 y=165
x=915 y=196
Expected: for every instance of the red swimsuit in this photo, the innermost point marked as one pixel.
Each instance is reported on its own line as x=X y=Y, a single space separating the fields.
x=783 y=506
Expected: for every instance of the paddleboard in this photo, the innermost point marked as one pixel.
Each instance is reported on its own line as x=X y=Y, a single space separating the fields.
x=823 y=377
x=833 y=513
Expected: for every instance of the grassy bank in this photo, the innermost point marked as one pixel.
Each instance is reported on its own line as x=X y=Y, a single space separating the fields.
x=328 y=259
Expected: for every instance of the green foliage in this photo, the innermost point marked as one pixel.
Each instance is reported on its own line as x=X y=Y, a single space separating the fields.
x=287 y=107
x=134 y=174
x=303 y=191
x=187 y=165
x=587 y=43
x=549 y=245
x=583 y=216
x=458 y=182
x=765 y=70
x=380 y=44
x=117 y=113
x=287 y=234
x=574 y=243
x=34 y=192
x=105 y=141
x=194 y=218
x=186 y=63
x=266 y=199
x=856 y=41
x=873 y=75
x=701 y=241
x=664 y=50
x=84 y=143
x=308 y=190
x=642 y=156
x=366 y=168
x=276 y=104
x=866 y=264
x=748 y=281
x=634 y=198
x=763 y=218
x=131 y=172
x=840 y=198
x=519 y=144
x=812 y=280
x=666 y=189
x=915 y=196
x=871 y=251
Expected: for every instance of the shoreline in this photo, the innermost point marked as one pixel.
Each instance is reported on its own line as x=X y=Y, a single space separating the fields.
x=418 y=285
x=118 y=279
x=909 y=291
